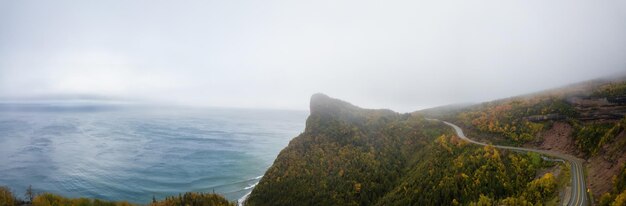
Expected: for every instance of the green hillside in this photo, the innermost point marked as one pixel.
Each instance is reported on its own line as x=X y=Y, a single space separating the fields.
x=586 y=119
x=353 y=156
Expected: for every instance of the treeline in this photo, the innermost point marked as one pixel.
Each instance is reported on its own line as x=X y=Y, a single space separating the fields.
x=7 y=198
x=508 y=118
x=610 y=91
x=367 y=157
x=193 y=199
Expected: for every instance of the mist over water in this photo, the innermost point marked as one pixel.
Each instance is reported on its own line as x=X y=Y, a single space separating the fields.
x=120 y=153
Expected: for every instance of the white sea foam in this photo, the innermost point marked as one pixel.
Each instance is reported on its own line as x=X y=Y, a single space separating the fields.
x=251 y=186
x=243 y=199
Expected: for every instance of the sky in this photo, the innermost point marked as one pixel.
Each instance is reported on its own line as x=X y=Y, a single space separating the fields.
x=401 y=55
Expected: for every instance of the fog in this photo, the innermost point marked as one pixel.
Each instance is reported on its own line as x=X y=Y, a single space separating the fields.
x=402 y=55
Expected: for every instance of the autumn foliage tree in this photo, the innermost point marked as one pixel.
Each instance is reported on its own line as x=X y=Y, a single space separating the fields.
x=353 y=156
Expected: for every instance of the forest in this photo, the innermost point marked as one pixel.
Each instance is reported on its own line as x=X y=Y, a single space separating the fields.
x=596 y=114
x=594 y=117
x=353 y=156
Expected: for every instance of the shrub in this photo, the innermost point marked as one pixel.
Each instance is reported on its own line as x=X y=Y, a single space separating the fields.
x=6 y=197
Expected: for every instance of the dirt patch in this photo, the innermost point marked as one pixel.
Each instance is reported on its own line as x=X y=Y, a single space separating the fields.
x=558 y=138
x=603 y=167
x=600 y=169
x=601 y=172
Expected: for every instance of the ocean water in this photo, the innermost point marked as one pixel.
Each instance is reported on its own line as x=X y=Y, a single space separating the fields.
x=134 y=153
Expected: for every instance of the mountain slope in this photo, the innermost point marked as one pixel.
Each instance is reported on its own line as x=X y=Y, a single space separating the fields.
x=346 y=156
x=353 y=156
x=586 y=119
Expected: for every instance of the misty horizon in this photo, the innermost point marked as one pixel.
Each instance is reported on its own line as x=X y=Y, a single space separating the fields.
x=354 y=102
x=82 y=100
x=400 y=55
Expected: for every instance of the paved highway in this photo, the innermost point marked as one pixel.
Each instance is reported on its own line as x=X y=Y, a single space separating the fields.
x=578 y=195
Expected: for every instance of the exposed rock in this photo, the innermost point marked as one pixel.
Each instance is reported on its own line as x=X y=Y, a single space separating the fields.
x=592 y=109
x=539 y=118
x=601 y=172
x=559 y=138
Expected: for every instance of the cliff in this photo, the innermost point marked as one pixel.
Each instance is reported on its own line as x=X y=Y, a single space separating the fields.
x=353 y=156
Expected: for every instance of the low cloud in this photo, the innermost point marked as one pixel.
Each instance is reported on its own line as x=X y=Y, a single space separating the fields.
x=403 y=55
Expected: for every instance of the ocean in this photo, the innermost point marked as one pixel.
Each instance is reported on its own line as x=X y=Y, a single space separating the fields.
x=132 y=153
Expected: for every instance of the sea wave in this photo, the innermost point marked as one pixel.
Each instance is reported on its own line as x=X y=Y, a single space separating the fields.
x=134 y=155
x=243 y=199
x=251 y=186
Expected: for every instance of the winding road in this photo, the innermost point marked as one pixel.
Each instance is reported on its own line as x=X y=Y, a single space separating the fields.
x=578 y=194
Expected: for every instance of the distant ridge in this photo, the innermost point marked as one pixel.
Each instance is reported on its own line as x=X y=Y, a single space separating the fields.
x=322 y=104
